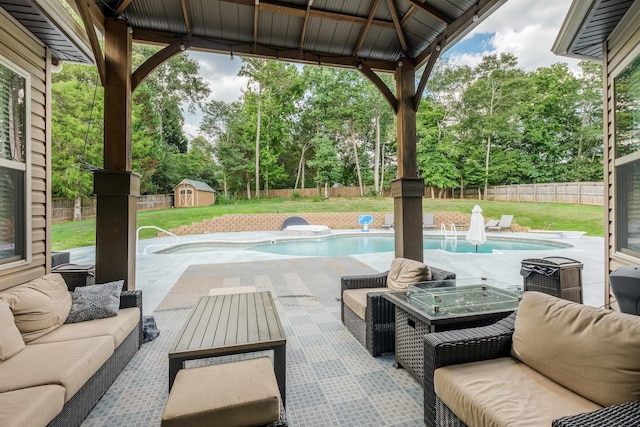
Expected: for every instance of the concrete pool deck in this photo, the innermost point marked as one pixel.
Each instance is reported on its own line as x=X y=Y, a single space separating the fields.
x=157 y=273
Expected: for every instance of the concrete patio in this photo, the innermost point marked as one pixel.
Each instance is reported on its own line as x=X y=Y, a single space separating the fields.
x=331 y=379
x=157 y=273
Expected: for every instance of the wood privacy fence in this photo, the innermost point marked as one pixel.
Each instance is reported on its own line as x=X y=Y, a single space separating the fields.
x=63 y=209
x=579 y=193
x=311 y=192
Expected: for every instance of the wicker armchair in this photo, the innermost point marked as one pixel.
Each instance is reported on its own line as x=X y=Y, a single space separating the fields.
x=377 y=331
x=489 y=342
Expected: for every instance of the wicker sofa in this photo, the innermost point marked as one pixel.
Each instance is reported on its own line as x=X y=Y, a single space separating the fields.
x=553 y=362
x=58 y=376
x=375 y=328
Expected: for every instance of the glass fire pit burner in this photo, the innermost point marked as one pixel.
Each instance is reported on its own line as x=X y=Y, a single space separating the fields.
x=455 y=297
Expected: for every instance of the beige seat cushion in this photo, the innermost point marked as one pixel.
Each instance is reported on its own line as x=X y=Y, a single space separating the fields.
x=405 y=271
x=591 y=351
x=33 y=406
x=243 y=393
x=68 y=363
x=11 y=341
x=505 y=392
x=356 y=299
x=118 y=327
x=39 y=306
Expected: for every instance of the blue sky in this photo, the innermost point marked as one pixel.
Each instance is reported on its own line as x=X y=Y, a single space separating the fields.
x=476 y=44
x=525 y=28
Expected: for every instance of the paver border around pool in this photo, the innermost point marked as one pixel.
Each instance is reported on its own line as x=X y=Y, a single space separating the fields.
x=248 y=244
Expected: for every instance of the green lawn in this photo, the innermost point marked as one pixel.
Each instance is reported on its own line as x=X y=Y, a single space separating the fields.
x=535 y=215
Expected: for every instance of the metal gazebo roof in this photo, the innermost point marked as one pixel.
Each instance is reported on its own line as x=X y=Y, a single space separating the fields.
x=371 y=33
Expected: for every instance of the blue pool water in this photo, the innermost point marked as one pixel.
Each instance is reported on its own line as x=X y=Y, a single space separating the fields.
x=362 y=244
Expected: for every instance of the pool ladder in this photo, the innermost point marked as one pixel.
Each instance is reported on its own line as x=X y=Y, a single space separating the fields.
x=154 y=246
x=451 y=234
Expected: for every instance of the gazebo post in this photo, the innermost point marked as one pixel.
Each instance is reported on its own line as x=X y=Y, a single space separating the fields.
x=116 y=187
x=407 y=190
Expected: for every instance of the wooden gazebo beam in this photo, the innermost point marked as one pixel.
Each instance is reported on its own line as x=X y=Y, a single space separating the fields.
x=305 y=22
x=87 y=19
x=381 y=85
x=398 y=27
x=457 y=27
x=123 y=6
x=185 y=14
x=435 y=54
x=365 y=28
x=300 y=12
x=248 y=49
x=155 y=61
x=435 y=12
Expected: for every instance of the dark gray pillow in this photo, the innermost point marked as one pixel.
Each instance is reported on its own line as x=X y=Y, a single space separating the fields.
x=95 y=302
x=438 y=274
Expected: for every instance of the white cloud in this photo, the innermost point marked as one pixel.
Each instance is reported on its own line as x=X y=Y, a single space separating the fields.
x=221 y=73
x=190 y=129
x=525 y=28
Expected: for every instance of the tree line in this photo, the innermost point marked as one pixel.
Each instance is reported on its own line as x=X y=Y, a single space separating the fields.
x=310 y=126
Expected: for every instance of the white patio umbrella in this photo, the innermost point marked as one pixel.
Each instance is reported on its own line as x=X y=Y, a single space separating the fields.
x=476 y=235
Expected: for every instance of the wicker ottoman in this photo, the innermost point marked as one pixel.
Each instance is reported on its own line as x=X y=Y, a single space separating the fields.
x=235 y=394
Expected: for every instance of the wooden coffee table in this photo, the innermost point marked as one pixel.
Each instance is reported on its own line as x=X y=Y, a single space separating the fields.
x=220 y=325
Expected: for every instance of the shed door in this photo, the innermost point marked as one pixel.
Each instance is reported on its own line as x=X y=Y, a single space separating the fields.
x=186 y=197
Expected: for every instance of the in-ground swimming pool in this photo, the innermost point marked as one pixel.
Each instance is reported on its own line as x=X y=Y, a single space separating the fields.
x=363 y=244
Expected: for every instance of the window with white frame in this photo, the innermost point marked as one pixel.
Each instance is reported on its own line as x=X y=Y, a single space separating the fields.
x=15 y=167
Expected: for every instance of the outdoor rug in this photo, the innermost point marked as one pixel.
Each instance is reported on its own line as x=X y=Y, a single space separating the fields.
x=331 y=379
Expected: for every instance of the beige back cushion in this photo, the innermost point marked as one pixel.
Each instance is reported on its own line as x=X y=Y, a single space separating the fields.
x=11 y=341
x=39 y=306
x=404 y=271
x=591 y=351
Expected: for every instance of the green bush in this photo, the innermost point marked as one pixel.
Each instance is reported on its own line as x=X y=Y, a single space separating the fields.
x=223 y=199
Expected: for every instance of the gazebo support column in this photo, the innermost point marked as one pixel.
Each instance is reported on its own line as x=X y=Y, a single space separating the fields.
x=117 y=197
x=408 y=189
x=407 y=207
x=116 y=187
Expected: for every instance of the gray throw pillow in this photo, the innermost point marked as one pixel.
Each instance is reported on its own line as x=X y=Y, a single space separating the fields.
x=95 y=302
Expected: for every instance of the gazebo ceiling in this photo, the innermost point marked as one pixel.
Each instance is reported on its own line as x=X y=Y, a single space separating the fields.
x=375 y=33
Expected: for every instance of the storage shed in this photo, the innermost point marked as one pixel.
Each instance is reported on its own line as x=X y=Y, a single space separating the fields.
x=190 y=193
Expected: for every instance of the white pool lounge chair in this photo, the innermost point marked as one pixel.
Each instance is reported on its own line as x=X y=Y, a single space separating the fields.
x=428 y=222
x=503 y=224
x=388 y=221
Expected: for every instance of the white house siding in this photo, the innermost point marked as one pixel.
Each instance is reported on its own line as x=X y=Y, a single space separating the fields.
x=18 y=46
